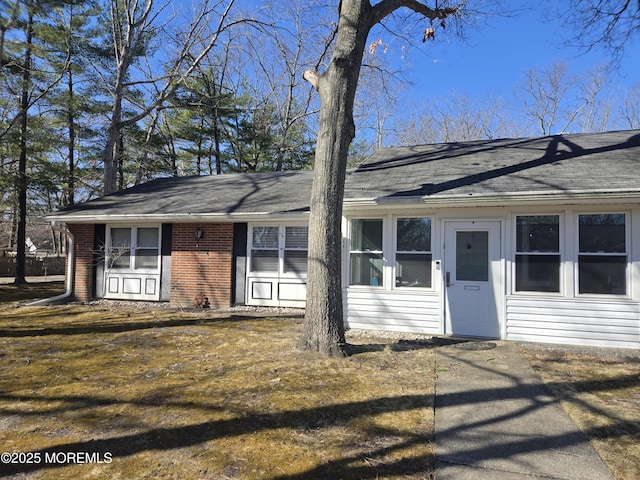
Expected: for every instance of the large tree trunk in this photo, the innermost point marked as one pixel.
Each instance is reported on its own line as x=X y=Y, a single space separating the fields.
x=324 y=327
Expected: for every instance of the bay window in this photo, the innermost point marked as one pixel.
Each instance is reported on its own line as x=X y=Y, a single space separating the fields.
x=538 y=253
x=602 y=254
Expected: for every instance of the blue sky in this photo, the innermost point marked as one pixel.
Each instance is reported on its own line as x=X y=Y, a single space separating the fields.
x=495 y=57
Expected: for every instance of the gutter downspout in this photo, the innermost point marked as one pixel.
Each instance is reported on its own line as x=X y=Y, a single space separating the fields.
x=70 y=272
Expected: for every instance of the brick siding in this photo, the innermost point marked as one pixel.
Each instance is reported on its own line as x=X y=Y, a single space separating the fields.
x=83 y=264
x=204 y=268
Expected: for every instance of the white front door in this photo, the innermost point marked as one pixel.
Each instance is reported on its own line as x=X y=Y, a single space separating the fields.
x=472 y=278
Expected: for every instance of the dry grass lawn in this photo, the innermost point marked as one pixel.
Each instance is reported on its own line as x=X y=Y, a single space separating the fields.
x=158 y=393
x=600 y=390
x=161 y=394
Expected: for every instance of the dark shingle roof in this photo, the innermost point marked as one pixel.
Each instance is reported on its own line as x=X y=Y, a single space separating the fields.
x=555 y=166
x=184 y=198
x=559 y=164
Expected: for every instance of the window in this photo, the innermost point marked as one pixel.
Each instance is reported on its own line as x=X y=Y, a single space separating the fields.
x=143 y=255
x=266 y=249
x=119 y=254
x=366 y=260
x=538 y=253
x=413 y=252
x=147 y=246
x=295 y=249
x=602 y=257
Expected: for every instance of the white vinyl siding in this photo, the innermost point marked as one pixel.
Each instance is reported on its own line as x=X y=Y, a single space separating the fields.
x=574 y=321
x=394 y=311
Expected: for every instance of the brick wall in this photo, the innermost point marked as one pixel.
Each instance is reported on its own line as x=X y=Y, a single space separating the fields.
x=83 y=266
x=205 y=268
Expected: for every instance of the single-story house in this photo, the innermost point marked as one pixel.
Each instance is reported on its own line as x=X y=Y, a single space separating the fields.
x=529 y=239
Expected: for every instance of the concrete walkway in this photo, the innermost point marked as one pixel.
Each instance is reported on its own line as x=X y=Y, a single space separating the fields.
x=495 y=420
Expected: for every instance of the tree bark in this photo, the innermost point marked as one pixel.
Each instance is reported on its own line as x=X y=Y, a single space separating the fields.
x=324 y=318
x=21 y=253
x=324 y=325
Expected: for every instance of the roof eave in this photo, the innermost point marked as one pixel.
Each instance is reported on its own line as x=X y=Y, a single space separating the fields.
x=174 y=218
x=474 y=200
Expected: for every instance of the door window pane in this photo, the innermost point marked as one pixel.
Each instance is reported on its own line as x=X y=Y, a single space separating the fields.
x=264 y=251
x=265 y=237
x=472 y=256
x=264 y=260
x=296 y=237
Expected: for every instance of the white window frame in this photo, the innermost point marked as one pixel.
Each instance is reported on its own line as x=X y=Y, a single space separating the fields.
x=383 y=280
x=560 y=253
x=416 y=252
x=281 y=251
x=626 y=254
x=132 y=249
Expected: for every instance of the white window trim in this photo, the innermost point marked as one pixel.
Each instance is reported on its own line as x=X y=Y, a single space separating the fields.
x=561 y=251
x=133 y=248
x=627 y=242
x=281 y=251
x=395 y=252
x=385 y=243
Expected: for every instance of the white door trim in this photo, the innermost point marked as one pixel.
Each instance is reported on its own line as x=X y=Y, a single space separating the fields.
x=482 y=302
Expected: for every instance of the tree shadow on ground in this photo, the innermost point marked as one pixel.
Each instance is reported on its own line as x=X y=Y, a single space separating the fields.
x=404 y=345
x=309 y=419
x=360 y=465
x=121 y=325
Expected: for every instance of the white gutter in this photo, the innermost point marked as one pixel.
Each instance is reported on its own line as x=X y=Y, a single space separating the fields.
x=491 y=199
x=70 y=280
x=176 y=218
